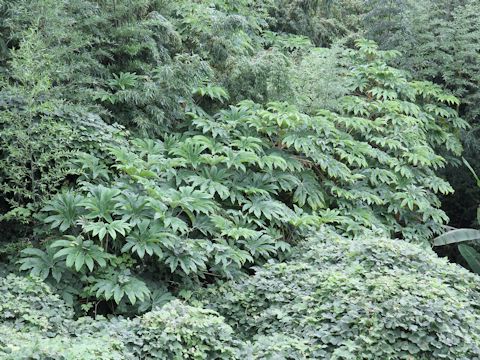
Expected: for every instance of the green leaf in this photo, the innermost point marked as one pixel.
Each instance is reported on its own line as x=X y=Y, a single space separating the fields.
x=117 y=284
x=101 y=202
x=471 y=256
x=474 y=174
x=456 y=236
x=41 y=263
x=79 y=252
x=65 y=209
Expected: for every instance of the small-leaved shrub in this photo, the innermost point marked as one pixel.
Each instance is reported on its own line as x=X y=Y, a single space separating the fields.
x=179 y=331
x=37 y=324
x=28 y=303
x=364 y=299
x=16 y=345
x=334 y=298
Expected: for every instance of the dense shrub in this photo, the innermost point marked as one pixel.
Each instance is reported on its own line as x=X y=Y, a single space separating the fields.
x=16 y=345
x=36 y=324
x=179 y=331
x=30 y=304
x=364 y=299
x=276 y=346
x=439 y=42
x=322 y=21
x=40 y=131
x=333 y=299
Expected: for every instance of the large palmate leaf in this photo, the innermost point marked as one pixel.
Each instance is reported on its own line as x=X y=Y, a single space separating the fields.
x=226 y=254
x=191 y=200
x=262 y=245
x=118 y=285
x=158 y=298
x=90 y=167
x=309 y=192
x=189 y=151
x=41 y=263
x=101 y=202
x=212 y=181
x=64 y=209
x=101 y=229
x=147 y=239
x=189 y=255
x=79 y=252
x=268 y=208
x=132 y=208
x=213 y=92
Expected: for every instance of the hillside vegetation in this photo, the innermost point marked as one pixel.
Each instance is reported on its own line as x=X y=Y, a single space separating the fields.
x=238 y=179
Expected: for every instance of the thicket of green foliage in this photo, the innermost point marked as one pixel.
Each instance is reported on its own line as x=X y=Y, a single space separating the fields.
x=236 y=188
x=36 y=324
x=363 y=299
x=150 y=149
x=439 y=42
x=334 y=299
